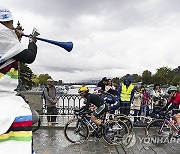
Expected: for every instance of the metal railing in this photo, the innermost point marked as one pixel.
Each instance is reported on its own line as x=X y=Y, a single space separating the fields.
x=66 y=104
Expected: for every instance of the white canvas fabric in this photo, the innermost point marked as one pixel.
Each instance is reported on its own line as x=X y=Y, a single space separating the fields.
x=9 y=43
x=22 y=109
x=9 y=47
x=11 y=105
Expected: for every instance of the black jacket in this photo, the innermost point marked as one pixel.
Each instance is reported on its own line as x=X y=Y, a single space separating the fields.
x=100 y=84
x=28 y=55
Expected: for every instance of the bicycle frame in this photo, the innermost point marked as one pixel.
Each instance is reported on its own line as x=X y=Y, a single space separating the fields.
x=162 y=126
x=168 y=119
x=85 y=119
x=112 y=133
x=88 y=123
x=173 y=125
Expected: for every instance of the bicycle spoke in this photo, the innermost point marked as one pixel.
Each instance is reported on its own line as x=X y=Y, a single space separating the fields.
x=114 y=132
x=76 y=131
x=158 y=128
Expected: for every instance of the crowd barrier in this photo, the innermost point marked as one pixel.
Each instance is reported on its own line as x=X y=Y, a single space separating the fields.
x=66 y=104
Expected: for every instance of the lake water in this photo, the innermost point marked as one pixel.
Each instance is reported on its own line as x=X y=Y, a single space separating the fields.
x=73 y=101
x=76 y=88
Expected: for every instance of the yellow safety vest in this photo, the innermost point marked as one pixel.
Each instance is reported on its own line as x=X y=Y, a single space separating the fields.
x=126 y=92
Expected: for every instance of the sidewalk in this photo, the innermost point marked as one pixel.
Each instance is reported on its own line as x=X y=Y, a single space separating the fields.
x=61 y=119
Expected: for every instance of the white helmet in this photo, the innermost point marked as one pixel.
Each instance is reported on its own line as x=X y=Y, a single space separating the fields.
x=5 y=14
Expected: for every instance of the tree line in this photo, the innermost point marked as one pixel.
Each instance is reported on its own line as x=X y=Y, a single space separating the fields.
x=163 y=76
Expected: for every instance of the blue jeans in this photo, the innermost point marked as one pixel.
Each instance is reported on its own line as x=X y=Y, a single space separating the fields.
x=145 y=109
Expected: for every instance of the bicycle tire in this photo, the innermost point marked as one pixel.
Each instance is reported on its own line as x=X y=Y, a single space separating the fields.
x=34 y=127
x=153 y=129
x=115 y=131
x=126 y=120
x=76 y=131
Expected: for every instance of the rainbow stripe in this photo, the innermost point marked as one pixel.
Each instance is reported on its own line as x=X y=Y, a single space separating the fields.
x=17 y=136
x=20 y=130
x=10 y=70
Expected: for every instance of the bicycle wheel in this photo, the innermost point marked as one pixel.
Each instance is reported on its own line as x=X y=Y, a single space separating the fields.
x=126 y=120
x=158 y=128
x=76 y=131
x=115 y=131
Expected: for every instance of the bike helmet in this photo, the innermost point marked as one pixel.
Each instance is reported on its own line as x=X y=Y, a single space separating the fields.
x=171 y=89
x=84 y=89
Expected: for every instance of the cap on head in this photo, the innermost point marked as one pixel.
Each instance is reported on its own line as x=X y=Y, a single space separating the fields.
x=127 y=79
x=50 y=80
x=5 y=14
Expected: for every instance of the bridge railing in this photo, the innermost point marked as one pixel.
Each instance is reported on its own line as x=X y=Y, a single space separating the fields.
x=66 y=104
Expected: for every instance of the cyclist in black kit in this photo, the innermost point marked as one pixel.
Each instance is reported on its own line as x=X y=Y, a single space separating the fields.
x=111 y=101
x=93 y=99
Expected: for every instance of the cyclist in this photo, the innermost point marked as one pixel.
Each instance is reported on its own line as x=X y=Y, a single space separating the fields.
x=173 y=103
x=93 y=99
x=111 y=101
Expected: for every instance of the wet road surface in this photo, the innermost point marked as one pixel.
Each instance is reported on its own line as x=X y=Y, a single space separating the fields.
x=52 y=141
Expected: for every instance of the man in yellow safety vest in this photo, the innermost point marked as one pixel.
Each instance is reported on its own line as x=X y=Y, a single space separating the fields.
x=125 y=95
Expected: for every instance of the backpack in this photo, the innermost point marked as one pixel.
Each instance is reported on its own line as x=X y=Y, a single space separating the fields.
x=43 y=95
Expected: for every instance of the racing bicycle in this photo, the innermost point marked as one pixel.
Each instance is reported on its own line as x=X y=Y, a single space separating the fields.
x=78 y=130
x=165 y=127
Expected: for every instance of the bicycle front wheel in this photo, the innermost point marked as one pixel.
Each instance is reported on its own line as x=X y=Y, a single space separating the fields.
x=115 y=132
x=158 y=128
x=76 y=131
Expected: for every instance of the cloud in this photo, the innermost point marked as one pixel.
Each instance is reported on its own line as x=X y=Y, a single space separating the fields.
x=111 y=38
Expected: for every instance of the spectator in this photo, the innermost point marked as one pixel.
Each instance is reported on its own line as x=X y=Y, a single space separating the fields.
x=137 y=103
x=51 y=101
x=14 y=110
x=125 y=95
x=157 y=97
x=102 y=83
x=109 y=88
x=145 y=102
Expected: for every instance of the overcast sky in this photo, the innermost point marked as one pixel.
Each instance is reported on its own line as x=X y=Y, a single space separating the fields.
x=110 y=37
